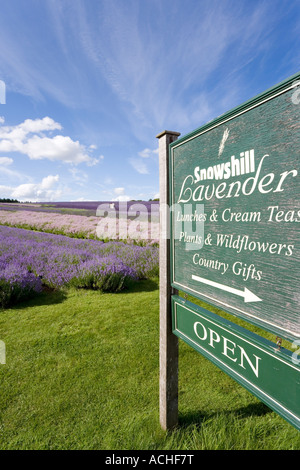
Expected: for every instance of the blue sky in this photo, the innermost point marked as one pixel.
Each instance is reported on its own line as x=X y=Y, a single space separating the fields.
x=90 y=83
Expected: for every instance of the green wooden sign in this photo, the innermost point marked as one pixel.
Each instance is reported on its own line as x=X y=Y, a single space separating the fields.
x=235 y=214
x=270 y=374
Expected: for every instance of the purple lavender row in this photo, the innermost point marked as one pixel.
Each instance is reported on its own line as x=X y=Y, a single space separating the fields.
x=87 y=207
x=30 y=260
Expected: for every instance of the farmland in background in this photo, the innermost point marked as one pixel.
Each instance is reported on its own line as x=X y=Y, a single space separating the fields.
x=86 y=208
x=81 y=219
x=31 y=261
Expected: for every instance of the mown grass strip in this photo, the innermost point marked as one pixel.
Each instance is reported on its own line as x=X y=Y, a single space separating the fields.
x=82 y=372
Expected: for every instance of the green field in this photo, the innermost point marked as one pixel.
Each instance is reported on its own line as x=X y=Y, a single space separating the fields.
x=82 y=372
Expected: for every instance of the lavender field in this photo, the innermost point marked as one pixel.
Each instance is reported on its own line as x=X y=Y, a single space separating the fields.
x=87 y=208
x=124 y=221
x=78 y=226
x=31 y=261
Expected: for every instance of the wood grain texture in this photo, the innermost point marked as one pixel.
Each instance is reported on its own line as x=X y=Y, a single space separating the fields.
x=168 y=388
x=251 y=231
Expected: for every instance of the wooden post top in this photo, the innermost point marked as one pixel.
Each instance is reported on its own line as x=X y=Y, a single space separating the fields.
x=161 y=134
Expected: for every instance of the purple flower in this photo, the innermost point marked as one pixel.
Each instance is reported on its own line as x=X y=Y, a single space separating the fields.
x=32 y=259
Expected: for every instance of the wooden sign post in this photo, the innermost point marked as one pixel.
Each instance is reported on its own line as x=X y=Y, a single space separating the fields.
x=230 y=192
x=168 y=381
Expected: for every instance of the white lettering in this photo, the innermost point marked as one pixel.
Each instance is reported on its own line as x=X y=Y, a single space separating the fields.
x=230 y=349
x=204 y=330
x=213 y=337
x=253 y=367
x=226 y=348
x=235 y=167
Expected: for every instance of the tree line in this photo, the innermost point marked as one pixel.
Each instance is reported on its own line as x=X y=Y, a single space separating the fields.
x=6 y=199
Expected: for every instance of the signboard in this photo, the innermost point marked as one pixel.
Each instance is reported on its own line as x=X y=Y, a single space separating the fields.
x=235 y=214
x=271 y=375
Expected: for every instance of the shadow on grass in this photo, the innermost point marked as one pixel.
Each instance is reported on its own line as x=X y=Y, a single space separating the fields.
x=52 y=296
x=253 y=409
x=147 y=285
x=46 y=297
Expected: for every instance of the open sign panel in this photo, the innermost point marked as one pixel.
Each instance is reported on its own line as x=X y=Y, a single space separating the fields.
x=270 y=374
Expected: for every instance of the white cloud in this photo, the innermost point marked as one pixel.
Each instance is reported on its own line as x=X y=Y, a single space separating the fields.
x=123 y=198
x=80 y=177
x=26 y=190
x=48 y=182
x=28 y=138
x=40 y=125
x=5 y=161
x=119 y=191
x=120 y=195
x=2 y=120
x=5 y=191
x=139 y=165
x=57 y=148
x=147 y=153
x=12 y=137
x=42 y=191
x=94 y=161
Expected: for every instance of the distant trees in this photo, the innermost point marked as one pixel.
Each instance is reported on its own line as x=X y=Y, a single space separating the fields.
x=6 y=199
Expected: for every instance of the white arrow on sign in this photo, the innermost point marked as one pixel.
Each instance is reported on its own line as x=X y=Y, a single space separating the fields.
x=246 y=293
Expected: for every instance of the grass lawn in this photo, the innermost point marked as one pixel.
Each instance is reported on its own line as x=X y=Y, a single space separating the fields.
x=82 y=372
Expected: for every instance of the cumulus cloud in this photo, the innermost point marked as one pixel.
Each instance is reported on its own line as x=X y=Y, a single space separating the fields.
x=45 y=190
x=40 y=125
x=120 y=195
x=37 y=191
x=30 y=138
x=56 y=148
x=48 y=182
